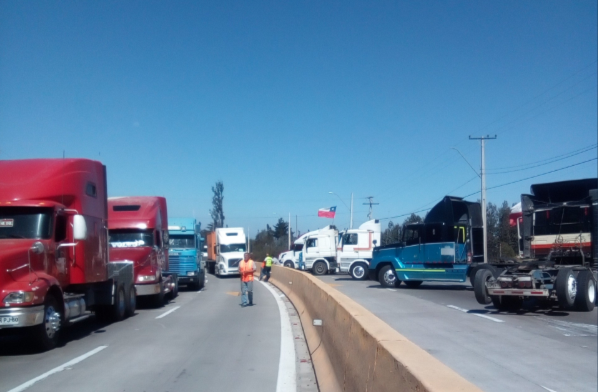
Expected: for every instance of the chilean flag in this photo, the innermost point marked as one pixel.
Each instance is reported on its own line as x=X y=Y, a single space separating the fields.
x=327 y=212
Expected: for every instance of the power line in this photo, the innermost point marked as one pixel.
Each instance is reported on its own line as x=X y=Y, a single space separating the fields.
x=547 y=159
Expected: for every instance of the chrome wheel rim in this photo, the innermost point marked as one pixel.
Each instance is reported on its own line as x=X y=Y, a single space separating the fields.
x=390 y=277
x=358 y=271
x=51 y=322
x=572 y=286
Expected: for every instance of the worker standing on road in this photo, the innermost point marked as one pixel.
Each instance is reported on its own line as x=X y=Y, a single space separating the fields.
x=246 y=269
x=267 y=266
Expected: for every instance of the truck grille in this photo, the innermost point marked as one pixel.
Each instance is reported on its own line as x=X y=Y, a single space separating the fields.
x=182 y=264
x=233 y=263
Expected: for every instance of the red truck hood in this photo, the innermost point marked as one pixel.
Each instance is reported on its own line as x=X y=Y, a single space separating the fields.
x=13 y=254
x=139 y=256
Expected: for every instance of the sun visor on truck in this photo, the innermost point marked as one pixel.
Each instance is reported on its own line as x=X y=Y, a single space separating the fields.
x=454 y=210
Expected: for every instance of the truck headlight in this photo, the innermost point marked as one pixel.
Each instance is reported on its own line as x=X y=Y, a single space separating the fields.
x=146 y=278
x=19 y=297
x=192 y=273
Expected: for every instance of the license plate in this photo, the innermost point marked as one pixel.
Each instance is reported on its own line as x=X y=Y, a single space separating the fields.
x=9 y=320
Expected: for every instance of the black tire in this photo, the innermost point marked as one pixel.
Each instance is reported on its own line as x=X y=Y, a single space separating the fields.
x=474 y=271
x=480 y=290
x=586 y=292
x=507 y=303
x=201 y=281
x=132 y=301
x=175 y=287
x=413 y=284
x=289 y=264
x=566 y=288
x=320 y=268
x=158 y=299
x=359 y=271
x=47 y=334
x=211 y=268
x=119 y=308
x=385 y=279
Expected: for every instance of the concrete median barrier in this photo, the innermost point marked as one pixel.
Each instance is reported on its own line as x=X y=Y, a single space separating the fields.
x=353 y=350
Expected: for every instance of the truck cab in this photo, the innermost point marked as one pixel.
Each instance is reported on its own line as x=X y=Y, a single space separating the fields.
x=442 y=248
x=184 y=253
x=230 y=249
x=355 y=247
x=138 y=232
x=319 y=251
x=290 y=258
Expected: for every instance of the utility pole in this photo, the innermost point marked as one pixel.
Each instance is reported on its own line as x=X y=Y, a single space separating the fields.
x=483 y=176
x=351 y=223
x=371 y=203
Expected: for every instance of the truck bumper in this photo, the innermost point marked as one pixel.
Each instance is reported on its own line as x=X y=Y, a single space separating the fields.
x=21 y=317
x=520 y=292
x=230 y=272
x=147 y=289
x=184 y=279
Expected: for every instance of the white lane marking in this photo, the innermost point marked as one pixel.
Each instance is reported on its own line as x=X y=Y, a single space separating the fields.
x=571 y=329
x=475 y=314
x=167 y=313
x=58 y=369
x=391 y=289
x=548 y=389
x=287 y=376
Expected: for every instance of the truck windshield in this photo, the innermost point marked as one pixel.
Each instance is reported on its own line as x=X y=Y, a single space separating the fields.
x=297 y=247
x=232 y=248
x=131 y=238
x=182 y=241
x=26 y=222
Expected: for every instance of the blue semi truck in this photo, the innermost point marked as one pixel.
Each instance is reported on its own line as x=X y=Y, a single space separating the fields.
x=185 y=251
x=447 y=247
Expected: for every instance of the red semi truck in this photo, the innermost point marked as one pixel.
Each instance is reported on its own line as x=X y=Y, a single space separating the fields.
x=138 y=232
x=54 y=267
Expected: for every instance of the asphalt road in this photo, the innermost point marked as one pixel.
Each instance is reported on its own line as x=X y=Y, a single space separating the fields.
x=533 y=350
x=206 y=343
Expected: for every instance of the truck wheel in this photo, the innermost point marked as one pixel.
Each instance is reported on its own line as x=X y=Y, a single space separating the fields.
x=120 y=304
x=175 y=287
x=586 y=291
x=359 y=271
x=474 y=271
x=320 y=268
x=132 y=301
x=289 y=264
x=481 y=292
x=413 y=284
x=566 y=288
x=158 y=299
x=47 y=333
x=387 y=277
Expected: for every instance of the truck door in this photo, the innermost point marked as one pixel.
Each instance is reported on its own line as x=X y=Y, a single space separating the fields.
x=412 y=252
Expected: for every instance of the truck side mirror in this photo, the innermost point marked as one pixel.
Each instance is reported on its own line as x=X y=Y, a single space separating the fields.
x=79 y=227
x=375 y=242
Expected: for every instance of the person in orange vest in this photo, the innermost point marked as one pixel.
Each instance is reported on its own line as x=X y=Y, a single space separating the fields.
x=246 y=269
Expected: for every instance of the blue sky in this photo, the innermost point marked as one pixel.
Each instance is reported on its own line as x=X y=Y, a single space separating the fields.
x=286 y=101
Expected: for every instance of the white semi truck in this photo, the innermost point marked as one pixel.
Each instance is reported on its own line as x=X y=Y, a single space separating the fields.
x=231 y=244
x=290 y=258
x=326 y=249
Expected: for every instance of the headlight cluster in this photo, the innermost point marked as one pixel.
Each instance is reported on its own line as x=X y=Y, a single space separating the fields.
x=192 y=273
x=19 y=297
x=146 y=278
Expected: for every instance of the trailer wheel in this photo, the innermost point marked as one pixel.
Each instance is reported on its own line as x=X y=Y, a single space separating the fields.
x=481 y=292
x=566 y=288
x=359 y=271
x=320 y=268
x=586 y=291
x=132 y=301
x=413 y=283
x=388 y=277
x=47 y=333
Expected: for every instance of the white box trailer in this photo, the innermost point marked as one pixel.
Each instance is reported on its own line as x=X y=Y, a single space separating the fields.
x=231 y=245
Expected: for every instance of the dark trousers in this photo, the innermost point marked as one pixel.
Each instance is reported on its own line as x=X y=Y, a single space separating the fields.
x=266 y=272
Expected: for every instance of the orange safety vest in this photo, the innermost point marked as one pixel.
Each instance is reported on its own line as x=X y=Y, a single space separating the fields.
x=246 y=270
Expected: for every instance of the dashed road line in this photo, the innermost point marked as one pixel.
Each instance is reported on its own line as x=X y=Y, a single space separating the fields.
x=548 y=389
x=475 y=314
x=167 y=313
x=58 y=369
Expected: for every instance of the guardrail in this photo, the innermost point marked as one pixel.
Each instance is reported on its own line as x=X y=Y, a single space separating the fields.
x=353 y=350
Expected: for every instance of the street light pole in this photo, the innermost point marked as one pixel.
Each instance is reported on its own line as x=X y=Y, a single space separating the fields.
x=483 y=176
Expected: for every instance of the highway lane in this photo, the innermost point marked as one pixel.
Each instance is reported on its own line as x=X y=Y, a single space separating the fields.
x=201 y=341
x=532 y=350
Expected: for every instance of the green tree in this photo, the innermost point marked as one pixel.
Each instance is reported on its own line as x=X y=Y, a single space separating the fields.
x=413 y=218
x=217 y=211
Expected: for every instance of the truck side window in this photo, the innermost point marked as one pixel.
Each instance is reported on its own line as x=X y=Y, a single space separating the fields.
x=60 y=231
x=350 y=239
x=412 y=236
x=312 y=243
